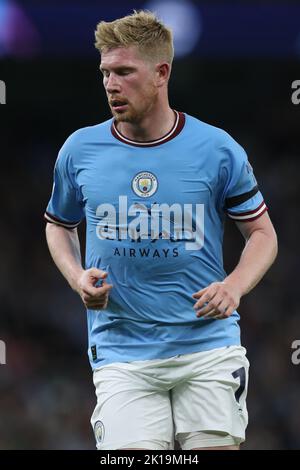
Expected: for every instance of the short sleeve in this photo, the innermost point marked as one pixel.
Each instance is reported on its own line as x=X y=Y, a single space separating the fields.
x=65 y=206
x=241 y=198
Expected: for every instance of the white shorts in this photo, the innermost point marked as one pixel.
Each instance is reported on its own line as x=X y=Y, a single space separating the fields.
x=197 y=399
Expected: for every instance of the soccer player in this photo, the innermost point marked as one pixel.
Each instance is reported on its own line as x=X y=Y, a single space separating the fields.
x=155 y=185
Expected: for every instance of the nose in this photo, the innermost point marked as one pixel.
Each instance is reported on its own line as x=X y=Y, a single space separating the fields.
x=112 y=84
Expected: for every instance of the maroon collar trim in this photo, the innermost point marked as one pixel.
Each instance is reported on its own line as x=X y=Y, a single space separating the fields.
x=176 y=129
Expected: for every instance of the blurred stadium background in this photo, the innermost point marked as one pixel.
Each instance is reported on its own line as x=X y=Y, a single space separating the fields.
x=235 y=65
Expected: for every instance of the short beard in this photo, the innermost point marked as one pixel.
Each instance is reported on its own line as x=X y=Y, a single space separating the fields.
x=124 y=117
x=135 y=117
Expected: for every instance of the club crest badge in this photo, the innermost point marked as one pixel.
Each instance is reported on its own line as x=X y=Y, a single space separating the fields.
x=99 y=432
x=144 y=184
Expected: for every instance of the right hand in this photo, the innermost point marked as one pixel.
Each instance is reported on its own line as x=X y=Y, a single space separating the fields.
x=94 y=298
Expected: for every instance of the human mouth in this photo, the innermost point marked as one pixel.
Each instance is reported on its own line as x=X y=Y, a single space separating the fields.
x=118 y=105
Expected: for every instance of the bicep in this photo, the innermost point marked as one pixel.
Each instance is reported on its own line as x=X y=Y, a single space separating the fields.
x=261 y=224
x=60 y=228
x=57 y=234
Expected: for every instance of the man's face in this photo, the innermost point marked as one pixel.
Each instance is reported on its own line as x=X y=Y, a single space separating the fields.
x=129 y=82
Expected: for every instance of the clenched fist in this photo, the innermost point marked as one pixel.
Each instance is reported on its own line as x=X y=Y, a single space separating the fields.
x=94 y=298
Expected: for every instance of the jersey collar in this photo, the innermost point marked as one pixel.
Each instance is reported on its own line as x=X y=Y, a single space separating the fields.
x=176 y=129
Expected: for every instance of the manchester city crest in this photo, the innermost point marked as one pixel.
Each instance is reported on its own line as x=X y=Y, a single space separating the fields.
x=99 y=431
x=144 y=184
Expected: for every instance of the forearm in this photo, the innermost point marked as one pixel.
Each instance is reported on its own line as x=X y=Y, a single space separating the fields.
x=257 y=257
x=65 y=250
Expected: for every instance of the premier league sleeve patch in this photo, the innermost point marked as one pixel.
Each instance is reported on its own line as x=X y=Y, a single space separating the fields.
x=99 y=432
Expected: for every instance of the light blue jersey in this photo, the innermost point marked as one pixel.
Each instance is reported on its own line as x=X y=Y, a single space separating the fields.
x=155 y=213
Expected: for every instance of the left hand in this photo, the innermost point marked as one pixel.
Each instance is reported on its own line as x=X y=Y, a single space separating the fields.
x=217 y=301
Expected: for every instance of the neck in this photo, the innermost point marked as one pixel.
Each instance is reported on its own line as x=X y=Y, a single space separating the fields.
x=158 y=122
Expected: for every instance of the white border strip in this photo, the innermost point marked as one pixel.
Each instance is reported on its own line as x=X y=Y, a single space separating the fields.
x=54 y=221
x=145 y=144
x=248 y=216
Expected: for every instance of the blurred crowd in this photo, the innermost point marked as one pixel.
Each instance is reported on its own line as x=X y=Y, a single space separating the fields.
x=46 y=389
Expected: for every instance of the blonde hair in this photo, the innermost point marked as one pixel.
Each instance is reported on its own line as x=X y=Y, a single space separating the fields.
x=142 y=29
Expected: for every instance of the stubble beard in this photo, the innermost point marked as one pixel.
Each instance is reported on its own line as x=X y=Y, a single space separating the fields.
x=133 y=115
x=126 y=116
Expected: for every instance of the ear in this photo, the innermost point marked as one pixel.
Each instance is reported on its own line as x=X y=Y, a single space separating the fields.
x=163 y=71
